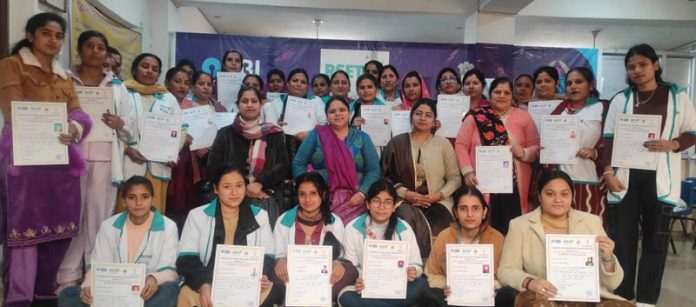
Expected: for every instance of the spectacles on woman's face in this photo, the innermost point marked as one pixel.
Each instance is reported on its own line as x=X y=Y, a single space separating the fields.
x=379 y=203
x=450 y=79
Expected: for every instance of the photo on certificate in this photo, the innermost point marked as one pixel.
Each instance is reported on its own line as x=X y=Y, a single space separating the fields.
x=470 y=274
x=309 y=274
x=237 y=275
x=572 y=267
x=118 y=284
x=384 y=269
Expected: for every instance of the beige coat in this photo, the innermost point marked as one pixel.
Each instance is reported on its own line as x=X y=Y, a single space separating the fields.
x=524 y=250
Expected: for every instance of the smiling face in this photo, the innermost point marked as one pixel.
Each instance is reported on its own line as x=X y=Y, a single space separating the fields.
x=523 y=89
x=309 y=198
x=275 y=84
x=249 y=105
x=545 y=86
x=555 y=198
x=388 y=80
x=297 y=86
x=367 y=91
x=470 y=212
x=423 y=119
x=230 y=190
x=93 y=52
x=641 y=70
x=381 y=207
x=203 y=88
x=47 y=40
x=412 y=88
x=179 y=85
x=449 y=83
x=147 y=71
x=320 y=87
x=337 y=115
x=138 y=201
x=577 y=87
x=501 y=97
x=340 y=86
x=473 y=86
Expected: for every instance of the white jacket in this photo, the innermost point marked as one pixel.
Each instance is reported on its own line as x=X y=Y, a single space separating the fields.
x=284 y=231
x=590 y=133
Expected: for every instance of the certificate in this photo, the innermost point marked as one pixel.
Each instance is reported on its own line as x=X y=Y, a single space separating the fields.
x=470 y=275
x=384 y=269
x=400 y=122
x=377 y=123
x=538 y=109
x=273 y=96
x=228 y=84
x=95 y=101
x=309 y=273
x=118 y=284
x=452 y=110
x=237 y=275
x=560 y=138
x=200 y=125
x=299 y=115
x=572 y=266
x=631 y=132
x=35 y=130
x=159 y=140
x=494 y=169
x=223 y=119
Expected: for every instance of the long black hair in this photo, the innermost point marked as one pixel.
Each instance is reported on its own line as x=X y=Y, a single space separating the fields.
x=465 y=190
x=140 y=58
x=325 y=208
x=84 y=36
x=648 y=52
x=442 y=72
x=479 y=75
x=358 y=103
x=379 y=186
x=136 y=180
x=34 y=23
x=241 y=58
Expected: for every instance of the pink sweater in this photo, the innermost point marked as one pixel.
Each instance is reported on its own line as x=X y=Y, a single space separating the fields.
x=521 y=130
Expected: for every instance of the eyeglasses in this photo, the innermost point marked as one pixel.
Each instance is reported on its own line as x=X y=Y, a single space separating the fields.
x=376 y=202
x=450 y=79
x=423 y=114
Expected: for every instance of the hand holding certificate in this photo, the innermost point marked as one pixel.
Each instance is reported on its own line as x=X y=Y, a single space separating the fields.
x=630 y=135
x=309 y=273
x=494 y=169
x=200 y=125
x=97 y=101
x=36 y=127
x=237 y=275
x=299 y=115
x=377 y=123
x=117 y=284
x=160 y=137
x=560 y=139
x=453 y=107
x=538 y=109
x=572 y=266
x=470 y=275
x=400 y=122
x=384 y=269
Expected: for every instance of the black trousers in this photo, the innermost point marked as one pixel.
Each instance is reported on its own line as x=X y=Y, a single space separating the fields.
x=640 y=207
x=505 y=207
x=504 y=297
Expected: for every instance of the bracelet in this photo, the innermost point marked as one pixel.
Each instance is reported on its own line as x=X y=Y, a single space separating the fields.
x=607 y=172
x=608 y=261
x=526 y=282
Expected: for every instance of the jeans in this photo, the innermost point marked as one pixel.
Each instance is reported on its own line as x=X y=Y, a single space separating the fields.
x=164 y=297
x=414 y=292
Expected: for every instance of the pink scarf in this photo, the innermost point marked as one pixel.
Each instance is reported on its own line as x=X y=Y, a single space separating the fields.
x=407 y=104
x=256 y=132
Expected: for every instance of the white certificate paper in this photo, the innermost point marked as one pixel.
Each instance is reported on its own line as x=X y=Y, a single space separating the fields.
x=572 y=266
x=273 y=96
x=95 y=101
x=470 y=275
x=538 y=109
x=494 y=169
x=299 y=115
x=159 y=140
x=228 y=84
x=384 y=269
x=629 y=135
x=451 y=111
x=223 y=119
x=35 y=130
x=377 y=123
x=237 y=275
x=200 y=125
x=309 y=273
x=118 y=284
x=400 y=122
x=560 y=138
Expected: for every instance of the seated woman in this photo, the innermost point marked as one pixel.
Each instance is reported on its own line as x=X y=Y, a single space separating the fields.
x=471 y=217
x=139 y=235
x=231 y=220
x=522 y=265
x=312 y=223
x=380 y=223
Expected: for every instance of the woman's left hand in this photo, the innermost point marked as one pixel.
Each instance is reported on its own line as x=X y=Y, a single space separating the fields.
x=68 y=138
x=434 y=198
x=150 y=289
x=411 y=273
x=517 y=151
x=337 y=271
x=358 y=121
x=606 y=247
x=356 y=199
x=172 y=164
x=661 y=145
x=201 y=153
x=301 y=135
x=587 y=153
x=254 y=189
x=265 y=283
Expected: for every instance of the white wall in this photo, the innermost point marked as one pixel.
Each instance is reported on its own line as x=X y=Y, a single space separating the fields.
x=188 y=19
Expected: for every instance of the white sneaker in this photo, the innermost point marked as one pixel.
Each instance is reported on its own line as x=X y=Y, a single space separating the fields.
x=644 y=305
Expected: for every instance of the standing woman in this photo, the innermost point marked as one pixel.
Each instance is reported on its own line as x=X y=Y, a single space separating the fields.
x=524 y=88
x=254 y=81
x=389 y=86
x=413 y=89
x=344 y=156
x=448 y=82
x=275 y=79
x=373 y=67
x=500 y=124
x=340 y=84
x=146 y=95
x=474 y=83
x=367 y=91
x=320 y=87
x=232 y=61
x=642 y=197
x=545 y=83
x=41 y=204
x=203 y=91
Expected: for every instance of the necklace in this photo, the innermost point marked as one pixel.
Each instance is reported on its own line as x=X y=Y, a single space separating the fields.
x=639 y=103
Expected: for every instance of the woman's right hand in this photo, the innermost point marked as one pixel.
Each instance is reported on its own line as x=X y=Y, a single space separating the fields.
x=470 y=180
x=358 y=121
x=135 y=155
x=414 y=198
x=86 y=295
x=613 y=184
x=448 y=291
x=281 y=269
x=205 y=295
x=542 y=287
x=359 y=285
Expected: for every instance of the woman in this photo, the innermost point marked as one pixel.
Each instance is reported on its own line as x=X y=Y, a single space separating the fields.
x=522 y=265
x=474 y=82
x=139 y=235
x=353 y=166
x=423 y=167
x=389 y=86
x=203 y=91
x=471 y=217
x=340 y=84
x=146 y=95
x=641 y=196
x=413 y=89
x=312 y=223
x=104 y=169
x=232 y=61
x=256 y=146
x=275 y=79
x=229 y=219
x=447 y=82
x=373 y=67
x=31 y=194
x=500 y=124
x=380 y=223
x=367 y=93
x=524 y=88
x=320 y=87
x=583 y=102
x=254 y=81
x=545 y=83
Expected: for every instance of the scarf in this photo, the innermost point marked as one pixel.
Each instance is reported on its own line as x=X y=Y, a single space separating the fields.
x=397 y=162
x=145 y=89
x=491 y=128
x=407 y=104
x=256 y=132
x=340 y=163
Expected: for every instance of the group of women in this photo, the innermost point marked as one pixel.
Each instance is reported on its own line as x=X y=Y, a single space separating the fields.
x=257 y=185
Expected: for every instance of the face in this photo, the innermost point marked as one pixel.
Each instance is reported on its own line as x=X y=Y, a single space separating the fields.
x=249 y=106
x=641 y=70
x=320 y=87
x=367 y=91
x=233 y=62
x=501 y=97
x=203 y=88
x=179 y=85
x=297 y=86
x=138 y=200
x=147 y=71
x=577 y=87
x=188 y=69
x=372 y=69
x=555 y=198
x=47 y=40
x=523 y=89
x=381 y=207
x=449 y=83
x=388 y=80
x=114 y=61
x=230 y=190
x=412 y=88
x=470 y=212
x=93 y=52
x=423 y=119
x=340 y=85
x=473 y=86
x=275 y=84
x=253 y=82
x=338 y=115
x=545 y=86
x=309 y=198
